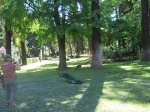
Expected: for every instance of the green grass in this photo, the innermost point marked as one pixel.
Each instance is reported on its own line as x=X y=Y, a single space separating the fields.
x=116 y=87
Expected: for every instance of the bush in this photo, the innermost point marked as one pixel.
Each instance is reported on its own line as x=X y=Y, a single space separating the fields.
x=116 y=53
x=112 y=53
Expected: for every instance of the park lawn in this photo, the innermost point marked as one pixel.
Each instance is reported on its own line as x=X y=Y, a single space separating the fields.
x=116 y=87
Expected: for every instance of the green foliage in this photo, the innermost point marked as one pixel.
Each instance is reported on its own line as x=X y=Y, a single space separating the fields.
x=12 y=12
x=119 y=20
x=76 y=30
x=118 y=26
x=119 y=53
x=112 y=52
x=1 y=61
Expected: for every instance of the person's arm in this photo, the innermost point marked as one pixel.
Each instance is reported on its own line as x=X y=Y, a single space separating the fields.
x=17 y=66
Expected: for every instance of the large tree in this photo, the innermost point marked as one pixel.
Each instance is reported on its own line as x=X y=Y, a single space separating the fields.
x=96 y=40
x=60 y=23
x=14 y=13
x=145 y=32
x=8 y=31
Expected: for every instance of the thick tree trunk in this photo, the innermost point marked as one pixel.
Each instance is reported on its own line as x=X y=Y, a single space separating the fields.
x=61 y=39
x=96 y=41
x=145 y=32
x=23 y=53
x=62 y=53
x=8 y=35
x=96 y=49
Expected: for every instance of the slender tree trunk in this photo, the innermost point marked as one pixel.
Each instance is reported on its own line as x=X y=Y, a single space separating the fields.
x=108 y=42
x=82 y=47
x=8 y=35
x=23 y=53
x=145 y=32
x=90 y=48
x=78 y=48
x=49 y=48
x=70 y=47
x=96 y=41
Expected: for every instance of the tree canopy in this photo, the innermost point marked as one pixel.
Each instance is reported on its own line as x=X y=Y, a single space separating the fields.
x=70 y=22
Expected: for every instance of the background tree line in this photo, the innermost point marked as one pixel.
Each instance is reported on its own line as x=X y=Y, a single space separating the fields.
x=104 y=29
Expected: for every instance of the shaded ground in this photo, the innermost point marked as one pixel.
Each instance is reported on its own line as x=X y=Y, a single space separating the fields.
x=116 y=87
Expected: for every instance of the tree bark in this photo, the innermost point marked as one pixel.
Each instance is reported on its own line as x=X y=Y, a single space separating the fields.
x=96 y=40
x=90 y=48
x=145 y=32
x=70 y=47
x=61 y=38
x=8 y=35
x=62 y=53
x=78 y=49
x=23 y=53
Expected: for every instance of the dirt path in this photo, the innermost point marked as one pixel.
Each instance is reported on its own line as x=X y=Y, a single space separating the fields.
x=43 y=62
x=37 y=64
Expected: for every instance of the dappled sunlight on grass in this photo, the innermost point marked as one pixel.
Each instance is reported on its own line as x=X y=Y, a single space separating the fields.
x=127 y=67
x=117 y=106
x=23 y=105
x=133 y=67
x=116 y=87
x=137 y=65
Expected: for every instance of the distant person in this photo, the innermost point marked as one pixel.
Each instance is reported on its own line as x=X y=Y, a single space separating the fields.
x=10 y=79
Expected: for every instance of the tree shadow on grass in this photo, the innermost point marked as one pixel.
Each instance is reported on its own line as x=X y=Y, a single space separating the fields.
x=92 y=94
x=123 y=82
x=130 y=83
x=59 y=96
x=43 y=90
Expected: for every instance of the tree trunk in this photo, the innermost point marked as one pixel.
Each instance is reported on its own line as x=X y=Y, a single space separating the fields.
x=61 y=39
x=78 y=49
x=82 y=47
x=23 y=53
x=8 y=35
x=145 y=32
x=90 y=48
x=96 y=41
x=70 y=47
x=62 y=53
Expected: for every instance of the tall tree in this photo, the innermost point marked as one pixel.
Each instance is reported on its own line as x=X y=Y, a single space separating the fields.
x=145 y=32
x=8 y=31
x=61 y=37
x=14 y=14
x=96 y=40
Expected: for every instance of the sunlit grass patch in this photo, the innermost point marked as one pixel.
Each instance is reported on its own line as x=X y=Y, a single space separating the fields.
x=116 y=87
x=117 y=106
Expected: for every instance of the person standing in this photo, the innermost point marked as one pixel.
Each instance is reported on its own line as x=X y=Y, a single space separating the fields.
x=10 y=79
